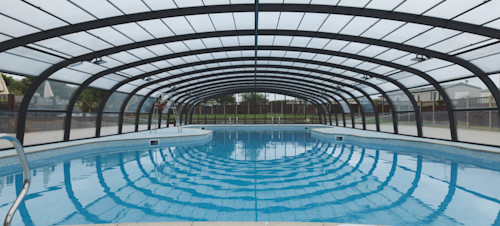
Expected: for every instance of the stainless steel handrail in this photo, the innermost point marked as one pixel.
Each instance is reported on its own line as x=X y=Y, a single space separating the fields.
x=26 y=175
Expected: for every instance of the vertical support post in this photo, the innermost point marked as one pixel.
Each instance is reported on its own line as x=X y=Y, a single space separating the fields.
x=305 y=111
x=285 y=108
x=168 y=117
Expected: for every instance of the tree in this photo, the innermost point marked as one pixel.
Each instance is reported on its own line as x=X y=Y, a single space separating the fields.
x=17 y=87
x=93 y=97
x=253 y=98
x=225 y=99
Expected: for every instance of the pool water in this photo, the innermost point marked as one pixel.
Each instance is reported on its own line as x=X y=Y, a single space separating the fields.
x=258 y=176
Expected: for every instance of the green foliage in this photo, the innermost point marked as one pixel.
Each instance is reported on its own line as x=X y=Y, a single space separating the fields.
x=93 y=97
x=253 y=98
x=17 y=87
x=228 y=99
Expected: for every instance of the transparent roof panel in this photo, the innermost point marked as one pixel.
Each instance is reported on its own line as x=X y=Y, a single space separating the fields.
x=19 y=18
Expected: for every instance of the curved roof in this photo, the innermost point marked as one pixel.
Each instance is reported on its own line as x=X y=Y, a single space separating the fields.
x=343 y=49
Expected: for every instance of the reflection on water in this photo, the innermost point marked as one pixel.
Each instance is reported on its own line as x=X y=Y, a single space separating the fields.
x=258 y=176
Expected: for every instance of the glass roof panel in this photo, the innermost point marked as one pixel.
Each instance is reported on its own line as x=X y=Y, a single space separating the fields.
x=358 y=25
x=142 y=53
x=312 y=21
x=268 y=20
x=98 y=8
x=178 y=25
x=26 y=13
x=130 y=7
x=450 y=9
x=432 y=36
x=244 y=21
x=406 y=32
x=63 y=46
x=160 y=4
x=458 y=42
x=126 y=88
x=417 y=7
x=289 y=21
x=223 y=21
x=334 y=23
x=156 y=28
x=188 y=3
x=354 y=47
x=133 y=31
x=482 y=14
x=486 y=65
x=64 y=10
x=477 y=53
x=382 y=28
x=384 y=4
x=17 y=64
x=124 y=57
x=200 y=23
x=318 y=43
x=15 y=28
x=450 y=72
x=69 y=75
x=357 y=3
x=33 y=54
x=110 y=35
x=87 y=40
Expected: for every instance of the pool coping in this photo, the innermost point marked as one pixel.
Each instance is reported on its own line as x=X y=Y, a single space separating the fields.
x=143 y=135
x=332 y=130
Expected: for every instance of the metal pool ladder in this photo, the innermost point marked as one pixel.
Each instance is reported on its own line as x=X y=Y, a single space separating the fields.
x=26 y=175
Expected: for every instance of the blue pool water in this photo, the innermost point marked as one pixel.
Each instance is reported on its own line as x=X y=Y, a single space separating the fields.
x=258 y=176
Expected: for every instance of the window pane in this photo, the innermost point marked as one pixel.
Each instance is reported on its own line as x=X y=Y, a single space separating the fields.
x=128 y=122
x=400 y=101
x=115 y=102
x=469 y=93
x=44 y=127
x=52 y=95
x=478 y=127
x=82 y=125
x=407 y=124
x=109 y=124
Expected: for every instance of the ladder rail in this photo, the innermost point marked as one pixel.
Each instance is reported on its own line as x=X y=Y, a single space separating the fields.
x=26 y=176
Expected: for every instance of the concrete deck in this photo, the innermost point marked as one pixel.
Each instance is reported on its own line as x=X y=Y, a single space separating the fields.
x=160 y=133
x=374 y=134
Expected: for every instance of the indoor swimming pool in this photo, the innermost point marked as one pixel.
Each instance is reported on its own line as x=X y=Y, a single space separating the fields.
x=245 y=174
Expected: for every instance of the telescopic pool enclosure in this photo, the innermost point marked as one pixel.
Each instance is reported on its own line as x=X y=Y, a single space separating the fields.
x=331 y=53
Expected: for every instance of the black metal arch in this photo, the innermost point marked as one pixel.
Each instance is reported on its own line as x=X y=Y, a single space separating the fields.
x=73 y=100
x=158 y=88
x=225 y=81
x=467 y=65
x=478 y=72
x=194 y=102
x=269 y=72
x=346 y=77
x=250 y=88
x=374 y=13
x=311 y=91
x=175 y=83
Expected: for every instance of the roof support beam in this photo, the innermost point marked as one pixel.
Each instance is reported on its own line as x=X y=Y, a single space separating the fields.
x=374 y=13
